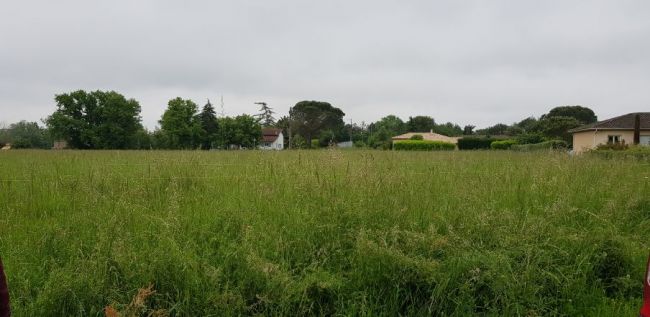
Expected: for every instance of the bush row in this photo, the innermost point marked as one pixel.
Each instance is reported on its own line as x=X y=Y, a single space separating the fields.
x=502 y=145
x=475 y=143
x=421 y=145
x=635 y=152
x=547 y=145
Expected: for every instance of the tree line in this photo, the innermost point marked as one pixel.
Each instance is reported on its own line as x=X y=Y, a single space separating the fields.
x=108 y=120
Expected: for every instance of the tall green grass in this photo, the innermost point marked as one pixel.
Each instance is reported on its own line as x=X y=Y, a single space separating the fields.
x=324 y=232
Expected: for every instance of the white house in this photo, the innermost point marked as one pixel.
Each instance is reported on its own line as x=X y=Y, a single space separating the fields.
x=272 y=139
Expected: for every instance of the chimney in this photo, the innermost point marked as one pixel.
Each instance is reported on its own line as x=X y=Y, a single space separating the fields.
x=637 y=129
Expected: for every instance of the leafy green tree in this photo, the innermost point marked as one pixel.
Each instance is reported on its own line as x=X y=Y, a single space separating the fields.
x=420 y=124
x=241 y=131
x=180 y=124
x=583 y=114
x=298 y=142
x=497 y=129
x=209 y=126
x=528 y=124
x=311 y=117
x=448 y=129
x=391 y=123
x=95 y=120
x=28 y=135
x=357 y=132
x=557 y=127
x=143 y=140
x=468 y=130
x=326 y=138
x=380 y=139
x=265 y=115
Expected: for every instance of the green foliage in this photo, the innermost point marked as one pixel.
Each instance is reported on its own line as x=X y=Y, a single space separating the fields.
x=631 y=152
x=448 y=129
x=530 y=138
x=209 y=127
x=417 y=137
x=298 y=142
x=497 y=129
x=420 y=124
x=380 y=139
x=527 y=125
x=546 y=145
x=326 y=138
x=502 y=144
x=95 y=120
x=309 y=118
x=611 y=269
x=265 y=115
x=180 y=125
x=618 y=146
x=241 y=131
x=331 y=233
x=558 y=127
x=27 y=135
x=468 y=129
x=315 y=143
x=360 y=144
x=391 y=124
x=582 y=114
x=420 y=145
x=475 y=143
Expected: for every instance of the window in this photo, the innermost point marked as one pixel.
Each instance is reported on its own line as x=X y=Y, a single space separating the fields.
x=613 y=138
x=645 y=140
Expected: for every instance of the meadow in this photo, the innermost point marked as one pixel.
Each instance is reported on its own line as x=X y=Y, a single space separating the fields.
x=323 y=232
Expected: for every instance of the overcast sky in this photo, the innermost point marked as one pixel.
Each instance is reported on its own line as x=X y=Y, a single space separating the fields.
x=470 y=62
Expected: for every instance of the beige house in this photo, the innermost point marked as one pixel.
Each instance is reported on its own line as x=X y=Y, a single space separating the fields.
x=614 y=130
x=429 y=136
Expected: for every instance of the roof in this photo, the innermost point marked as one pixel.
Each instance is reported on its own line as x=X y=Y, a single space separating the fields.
x=624 y=122
x=270 y=134
x=429 y=136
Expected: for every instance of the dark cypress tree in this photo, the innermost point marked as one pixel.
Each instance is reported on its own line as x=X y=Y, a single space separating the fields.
x=209 y=126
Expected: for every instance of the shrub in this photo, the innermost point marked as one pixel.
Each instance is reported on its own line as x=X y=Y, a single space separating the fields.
x=417 y=145
x=502 y=145
x=530 y=138
x=547 y=145
x=635 y=152
x=326 y=138
x=475 y=143
x=417 y=137
x=618 y=146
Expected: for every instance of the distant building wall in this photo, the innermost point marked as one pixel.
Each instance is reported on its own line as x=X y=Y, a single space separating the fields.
x=278 y=144
x=587 y=140
x=346 y=144
x=59 y=145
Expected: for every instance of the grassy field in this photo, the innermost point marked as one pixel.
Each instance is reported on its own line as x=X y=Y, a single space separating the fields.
x=324 y=232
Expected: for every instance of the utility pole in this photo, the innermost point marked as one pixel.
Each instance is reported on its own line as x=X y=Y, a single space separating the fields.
x=290 y=125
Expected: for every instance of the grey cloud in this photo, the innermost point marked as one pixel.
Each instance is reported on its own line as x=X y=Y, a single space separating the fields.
x=474 y=62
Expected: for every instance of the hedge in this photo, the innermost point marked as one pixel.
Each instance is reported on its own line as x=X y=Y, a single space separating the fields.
x=636 y=152
x=416 y=145
x=547 y=145
x=475 y=143
x=502 y=145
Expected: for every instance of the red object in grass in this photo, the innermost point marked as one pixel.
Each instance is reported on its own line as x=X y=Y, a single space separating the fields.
x=4 y=294
x=645 y=310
